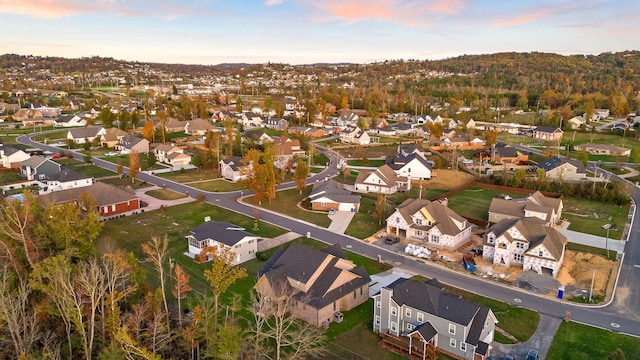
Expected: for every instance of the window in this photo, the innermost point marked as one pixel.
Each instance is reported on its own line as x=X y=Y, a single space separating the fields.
x=250 y=242
x=334 y=306
x=420 y=317
x=377 y=320
x=419 y=221
x=324 y=203
x=418 y=232
x=452 y=329
x=541 y=253
x=490 y=239
x=435 y=238
x=378 y=303
x=410 y=326
x=113 y=207
x=251 y=251
x=360 y=290
x=517 y=257
x=238 y=246
x=354 y=294
x=394 y=326
x=452 y=343
x=502 y=245
x=463 y=346
x=394 y=311
x=407 y=312
x=519 y=245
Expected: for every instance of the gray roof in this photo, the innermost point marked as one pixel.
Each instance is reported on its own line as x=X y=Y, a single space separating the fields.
x=34 y=161
x=556 y=161
x=234 y=162
x=547 y=129
x=85 y=132
x=431 y=298
x=223 y=232
x=398 y=162
x=104 y=194
x=130 y=141
x=65 y=175
x=334 y=191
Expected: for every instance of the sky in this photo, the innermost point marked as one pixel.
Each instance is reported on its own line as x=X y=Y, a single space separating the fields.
x=310 y=31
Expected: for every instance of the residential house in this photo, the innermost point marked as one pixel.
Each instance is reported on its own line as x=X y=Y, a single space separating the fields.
x=525 y=242
x=11 y=157
x=412 y=166
x=321 y=283
x=173 y=125
x=307 y=131
x=257 y=137
x=423 y=320
x=198 y=127
x=429 y=221
x=330 y=194
x=406 y=150
x=286 y=150
x=600 y=114
x=563 y=169
x=9 y=108
x=76 y=105
x=234 y=168
x=347 y=119
x=507 y=154
x=38 y=168
x=85 y=134
x=172 y=155
x=69 y=121
x=111 y=200
x=354 y=135
x=603 y=149
x=67 y=179
x=546 y=208
x=111 y=137
x=577 y=122
x=547 y=133
x=27 y=114
x=275 y=123
x=250 y=120
x=211 y=237
x=129 y=143
x=383 y=180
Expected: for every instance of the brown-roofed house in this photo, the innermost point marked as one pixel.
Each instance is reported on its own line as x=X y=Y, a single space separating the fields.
x=527 y=243
x=546 y=208
x=112 y=200
x=382 y=180
x=322 y=282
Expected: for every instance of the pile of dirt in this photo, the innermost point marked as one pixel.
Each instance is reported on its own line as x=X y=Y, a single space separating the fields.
x=578 y=271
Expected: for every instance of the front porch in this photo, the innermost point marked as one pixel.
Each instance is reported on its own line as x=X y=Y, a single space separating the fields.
x=412 y=347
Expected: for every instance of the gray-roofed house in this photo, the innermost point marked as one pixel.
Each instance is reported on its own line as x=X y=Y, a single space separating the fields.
x=85 y=134
x=129 y=143
x=211 y=236
x=422 y=320
x=525 y=242
x=412 y=166
x=429 y=221
x=275 y=123
x=383 y=180
x=563 y=169
x=332 y=195
x=546 y=208
x=506 y=154
x=234 y=168
x=11 y=157
x=322 y=282
x=38 y=168
x=111 y=200
x=69 y=121
x=354 y=135
x=67 y=179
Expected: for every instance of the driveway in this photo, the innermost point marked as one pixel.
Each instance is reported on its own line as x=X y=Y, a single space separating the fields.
x=340 y=221
x=378 y=281
x=540 y=340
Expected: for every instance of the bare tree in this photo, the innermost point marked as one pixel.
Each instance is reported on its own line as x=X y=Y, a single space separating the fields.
x=19 y=318
x=157 y=252
x=15 y=219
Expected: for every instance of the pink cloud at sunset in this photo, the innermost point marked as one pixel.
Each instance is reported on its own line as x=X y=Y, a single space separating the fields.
x=531 y=15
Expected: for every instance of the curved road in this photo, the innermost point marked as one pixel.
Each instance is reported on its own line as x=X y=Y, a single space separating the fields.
x=621 y=315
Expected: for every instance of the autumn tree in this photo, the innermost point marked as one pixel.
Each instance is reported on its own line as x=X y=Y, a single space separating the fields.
x=157 y=253
x=255 y=174
x=180 y=289
x=134 y=165
x=301 y=174
x=148 y=131
x=151 y=159
x=380 y=204
x=223 y=274
x=16 y=217
x=271 y=181
x=163 y=120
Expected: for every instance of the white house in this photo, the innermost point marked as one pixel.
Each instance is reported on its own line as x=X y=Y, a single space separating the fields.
x=69 y=121
x=11 y=157
x=67 y=179
x=383 y=180
x=233 y=168
x=210 y=237
x=85 y=134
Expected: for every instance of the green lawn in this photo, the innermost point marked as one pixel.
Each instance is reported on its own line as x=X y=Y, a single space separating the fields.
x=373 y=163
x=190 y=175
x=124 y=161
x=68 y=162
x=92 y=170
x=364 y=223
x=126 y=182
x=164 y=194
x=217 y=185
x=589 y=217
x=286 y=202
x=577 y=341
x=9 y=176
x=474 y=201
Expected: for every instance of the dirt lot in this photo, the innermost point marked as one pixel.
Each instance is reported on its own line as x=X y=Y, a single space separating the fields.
x=448 y=179
x=578 y=271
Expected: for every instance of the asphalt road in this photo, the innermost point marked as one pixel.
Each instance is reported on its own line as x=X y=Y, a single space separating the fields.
x=622 y=315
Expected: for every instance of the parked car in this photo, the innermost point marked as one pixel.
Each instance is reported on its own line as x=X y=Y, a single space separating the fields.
x=509 y=357
x=391 y=240
x=532 y=355
x=332 y=211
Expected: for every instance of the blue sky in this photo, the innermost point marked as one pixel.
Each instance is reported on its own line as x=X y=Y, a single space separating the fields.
x=307 y=31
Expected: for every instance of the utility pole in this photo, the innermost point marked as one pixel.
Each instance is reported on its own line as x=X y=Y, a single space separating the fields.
x=592 y=280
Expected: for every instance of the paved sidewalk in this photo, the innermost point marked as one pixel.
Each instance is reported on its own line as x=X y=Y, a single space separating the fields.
x=267 y=244
x=631 y=172
x=155 y=203
x=592 y=240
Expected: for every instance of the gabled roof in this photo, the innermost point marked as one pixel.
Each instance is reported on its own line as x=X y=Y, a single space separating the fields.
x=104 y=194
x=533 y=232
x=547 y=129
x=506 y=151
x=334 y=191
x=441 y=214
x=130 y=141
x=398 y=162
x=199 y=124
x=223 y=232
x=66 y=175
x=384 y=172
x=556 y=161
x=113 y=134
x=85 y=132
x=235 y=162
x=432 y=299
x=300 y=263
x=66 y=119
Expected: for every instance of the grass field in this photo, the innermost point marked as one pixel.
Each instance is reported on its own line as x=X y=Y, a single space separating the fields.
x=9 y=176
x=364 y=223
x=217 y=185
x=92 y=170
x=577 y=341
x=589 y=217
x=286 y=203
x=372 y=163
x=164 y=194
x=190 y=175
x=474 y=201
